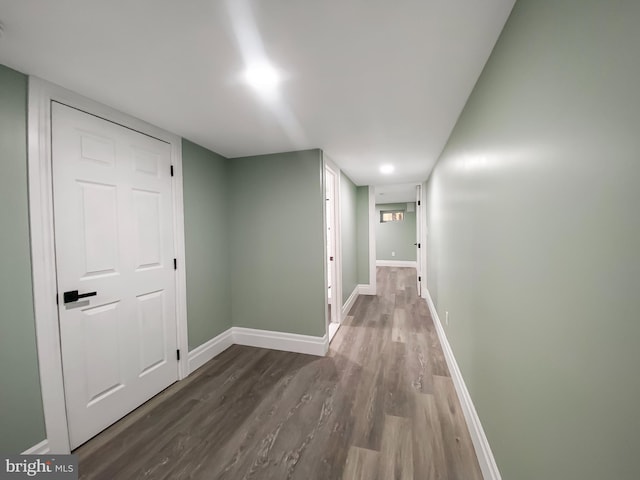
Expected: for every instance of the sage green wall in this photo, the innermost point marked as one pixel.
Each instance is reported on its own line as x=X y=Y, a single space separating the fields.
x=206 y=219
x=534 y=241
x=277 y=242
x=362 y=234
x=21 y=414
x=348 y=235
x=396 y=237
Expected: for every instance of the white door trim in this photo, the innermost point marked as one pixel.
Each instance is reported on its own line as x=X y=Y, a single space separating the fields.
x=325 y=245
x=424 y=238
x=373 y=219
x=329 y=164
x=41 y=94
x=419 y=250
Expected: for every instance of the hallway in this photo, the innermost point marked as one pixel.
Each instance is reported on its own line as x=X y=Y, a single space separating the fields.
x=380 y=405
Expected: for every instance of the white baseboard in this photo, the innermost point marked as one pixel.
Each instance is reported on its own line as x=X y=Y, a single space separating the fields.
x=349 y=303
x=396 y=263
x=288 y=342
x=333 y=329
x=480 y=443
x=41 y=448
x=367 y=289
x=205 y=352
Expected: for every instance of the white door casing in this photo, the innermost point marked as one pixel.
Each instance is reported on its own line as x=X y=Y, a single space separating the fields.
x=330 y=167
x=373 y=219
x=331 y=244
x=424 y=240
x=42 y=94
x=419 y=245
x=114 y=241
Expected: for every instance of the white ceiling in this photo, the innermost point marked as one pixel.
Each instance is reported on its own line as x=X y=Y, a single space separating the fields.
x=368 y=81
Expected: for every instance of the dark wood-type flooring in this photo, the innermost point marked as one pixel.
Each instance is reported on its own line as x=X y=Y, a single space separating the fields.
x=380 y=406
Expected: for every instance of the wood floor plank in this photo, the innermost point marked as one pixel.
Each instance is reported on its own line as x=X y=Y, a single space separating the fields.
x=428 y=448
x=362 y=464
x=399 y=331
x=462 y=463
x=415 y=322
x=359 y=311
x=418 y=367
x=380 y=406
x=368 y=404
x=398 y=400
x=396 y=455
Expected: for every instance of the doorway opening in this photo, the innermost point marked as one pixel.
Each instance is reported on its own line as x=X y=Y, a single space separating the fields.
x=399 y=229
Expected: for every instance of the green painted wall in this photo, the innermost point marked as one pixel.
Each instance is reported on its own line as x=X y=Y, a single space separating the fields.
x=362 y=234
x=398 y=237
x=277 y=242
x=206 y=218
x=534 y=239
x=21 y=414
x=348 y=235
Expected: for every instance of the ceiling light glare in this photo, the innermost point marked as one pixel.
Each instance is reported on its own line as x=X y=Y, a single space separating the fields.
x=387 y=169
x=262 y=77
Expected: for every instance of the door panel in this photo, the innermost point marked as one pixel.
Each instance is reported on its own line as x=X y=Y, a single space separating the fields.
x=114 y=236
x=96 y=148
x=102 y=362
x=99 y=229
x=151 y=324
x=147 y=222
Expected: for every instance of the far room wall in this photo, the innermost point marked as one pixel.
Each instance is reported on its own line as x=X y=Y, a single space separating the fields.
x=395 y=241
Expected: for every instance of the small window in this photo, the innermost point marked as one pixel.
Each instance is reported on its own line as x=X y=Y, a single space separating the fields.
x=391 y=216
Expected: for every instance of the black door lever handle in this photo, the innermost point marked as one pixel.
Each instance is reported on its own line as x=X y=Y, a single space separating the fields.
x=73 y=296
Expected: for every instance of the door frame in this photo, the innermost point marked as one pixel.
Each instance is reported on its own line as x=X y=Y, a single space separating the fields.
x=424 y=237
x=43 y=261
x=419 y=243
x=373 y=219
x=327 y=164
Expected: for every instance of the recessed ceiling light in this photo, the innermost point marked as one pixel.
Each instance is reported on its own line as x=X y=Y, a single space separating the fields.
x=263 y=77
x=386 y=169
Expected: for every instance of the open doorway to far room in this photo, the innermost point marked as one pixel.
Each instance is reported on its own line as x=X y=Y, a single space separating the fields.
x=398 y=228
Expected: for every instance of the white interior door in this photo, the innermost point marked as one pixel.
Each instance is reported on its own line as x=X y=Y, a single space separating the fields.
x=113 y=236
x=419 y=248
